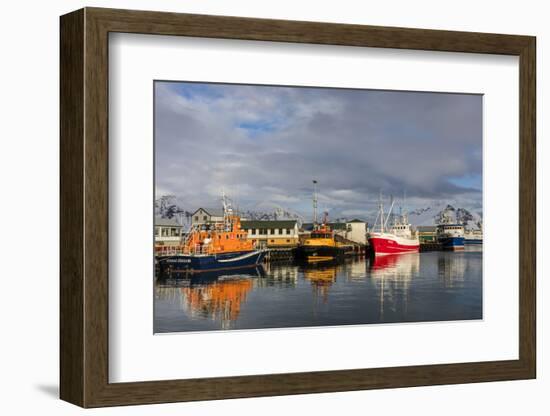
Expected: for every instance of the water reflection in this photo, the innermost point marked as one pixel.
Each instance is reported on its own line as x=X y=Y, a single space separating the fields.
x=393 y=273
x=281 y=274
x=321 y=277
x=213 y=295
x=408 y=287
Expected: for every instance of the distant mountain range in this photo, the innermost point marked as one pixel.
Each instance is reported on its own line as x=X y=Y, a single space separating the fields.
x=445 y=212
x=436 y=212
x=276 y=214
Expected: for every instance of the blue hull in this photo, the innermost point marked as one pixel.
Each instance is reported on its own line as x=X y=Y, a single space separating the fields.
x=473 y=241
x=208 y=263
x=207 y=277
x=452 y=243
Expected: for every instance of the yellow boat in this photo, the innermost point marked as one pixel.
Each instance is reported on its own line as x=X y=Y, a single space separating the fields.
x=321 y=246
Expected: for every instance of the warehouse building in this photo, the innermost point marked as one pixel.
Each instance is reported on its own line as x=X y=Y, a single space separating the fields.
x=426 y=233
x=272 y=233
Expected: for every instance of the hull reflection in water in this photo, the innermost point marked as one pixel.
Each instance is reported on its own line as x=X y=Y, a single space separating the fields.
x=216 y=295
x=394 y=273
x=212 y=276
x=321 y=276
x=404 y=264
x=408 y=287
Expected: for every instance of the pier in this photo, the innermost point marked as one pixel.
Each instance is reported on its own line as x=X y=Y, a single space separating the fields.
x=430 y=246
x=285 y=254
x=275 y=254
x=352 y=247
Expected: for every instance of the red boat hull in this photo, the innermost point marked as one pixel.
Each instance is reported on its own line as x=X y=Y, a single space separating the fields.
x=388 y=246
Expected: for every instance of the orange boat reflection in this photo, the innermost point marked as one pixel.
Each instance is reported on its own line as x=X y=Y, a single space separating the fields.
x=220 y=300
x=218 y=296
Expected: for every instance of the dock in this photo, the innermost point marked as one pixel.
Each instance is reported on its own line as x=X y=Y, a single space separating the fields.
x=352 y=248
x=276 y=254
x=430 y=246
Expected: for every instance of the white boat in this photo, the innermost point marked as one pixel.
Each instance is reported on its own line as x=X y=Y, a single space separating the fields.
x=473 y=237
x=397 y=238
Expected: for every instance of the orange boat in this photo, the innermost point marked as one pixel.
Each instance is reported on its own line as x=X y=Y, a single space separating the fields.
x=218 y=246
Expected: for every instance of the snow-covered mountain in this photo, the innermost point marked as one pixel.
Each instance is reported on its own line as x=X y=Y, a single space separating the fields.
x=276 y=214
x=267 y=210
x=444 y=212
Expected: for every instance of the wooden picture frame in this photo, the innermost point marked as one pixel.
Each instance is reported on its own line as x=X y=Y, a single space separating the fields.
x=84 y=207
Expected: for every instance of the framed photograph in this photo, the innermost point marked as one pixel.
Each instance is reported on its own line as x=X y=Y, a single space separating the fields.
x=254 y=207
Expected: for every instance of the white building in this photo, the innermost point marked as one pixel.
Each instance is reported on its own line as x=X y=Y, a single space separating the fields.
x=206 y=216
x=167 y=233
x=356 y=231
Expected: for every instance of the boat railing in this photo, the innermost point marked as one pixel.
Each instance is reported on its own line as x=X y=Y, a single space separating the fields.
x=198 y=249
x=172 y=251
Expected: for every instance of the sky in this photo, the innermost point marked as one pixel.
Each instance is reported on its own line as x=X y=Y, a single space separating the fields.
x=263 y=146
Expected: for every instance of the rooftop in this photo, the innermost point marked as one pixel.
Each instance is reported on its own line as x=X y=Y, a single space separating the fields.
x=333 y=225
x=426 y=228
x=214 y=212
x=166 y=222
x=253 y=224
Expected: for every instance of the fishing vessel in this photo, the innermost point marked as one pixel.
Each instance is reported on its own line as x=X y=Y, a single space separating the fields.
x=473 y=236
x=450 y=236
x=321 y=245
x=220 y=245
x=395 y=238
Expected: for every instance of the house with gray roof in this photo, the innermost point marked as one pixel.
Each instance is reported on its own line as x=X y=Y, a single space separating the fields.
x=168 y=233
x=206 y=216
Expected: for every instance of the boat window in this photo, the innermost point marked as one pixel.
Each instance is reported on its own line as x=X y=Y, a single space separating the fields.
x=320 y=235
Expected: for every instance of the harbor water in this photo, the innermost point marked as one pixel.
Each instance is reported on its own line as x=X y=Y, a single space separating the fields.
x=413 y=287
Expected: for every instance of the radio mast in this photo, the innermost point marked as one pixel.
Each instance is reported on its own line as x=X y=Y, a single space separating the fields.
x=314 y=203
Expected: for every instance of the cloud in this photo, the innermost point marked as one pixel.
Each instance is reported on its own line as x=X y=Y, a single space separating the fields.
x=263 y=143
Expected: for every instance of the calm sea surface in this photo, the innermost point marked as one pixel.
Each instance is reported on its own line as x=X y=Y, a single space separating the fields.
x=430 y=286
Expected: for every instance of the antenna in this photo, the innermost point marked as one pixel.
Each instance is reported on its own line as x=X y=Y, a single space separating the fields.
x=224 y=202
x=314 y=202
x=389 y=212
x=381 y=212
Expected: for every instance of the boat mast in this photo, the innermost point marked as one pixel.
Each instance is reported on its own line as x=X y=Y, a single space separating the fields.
x=405 y=216
x=227 y=211
x=314 y=203
x=381 y=212
x=389 y=212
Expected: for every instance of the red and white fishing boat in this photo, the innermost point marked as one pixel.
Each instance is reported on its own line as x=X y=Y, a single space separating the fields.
x=395 y=238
